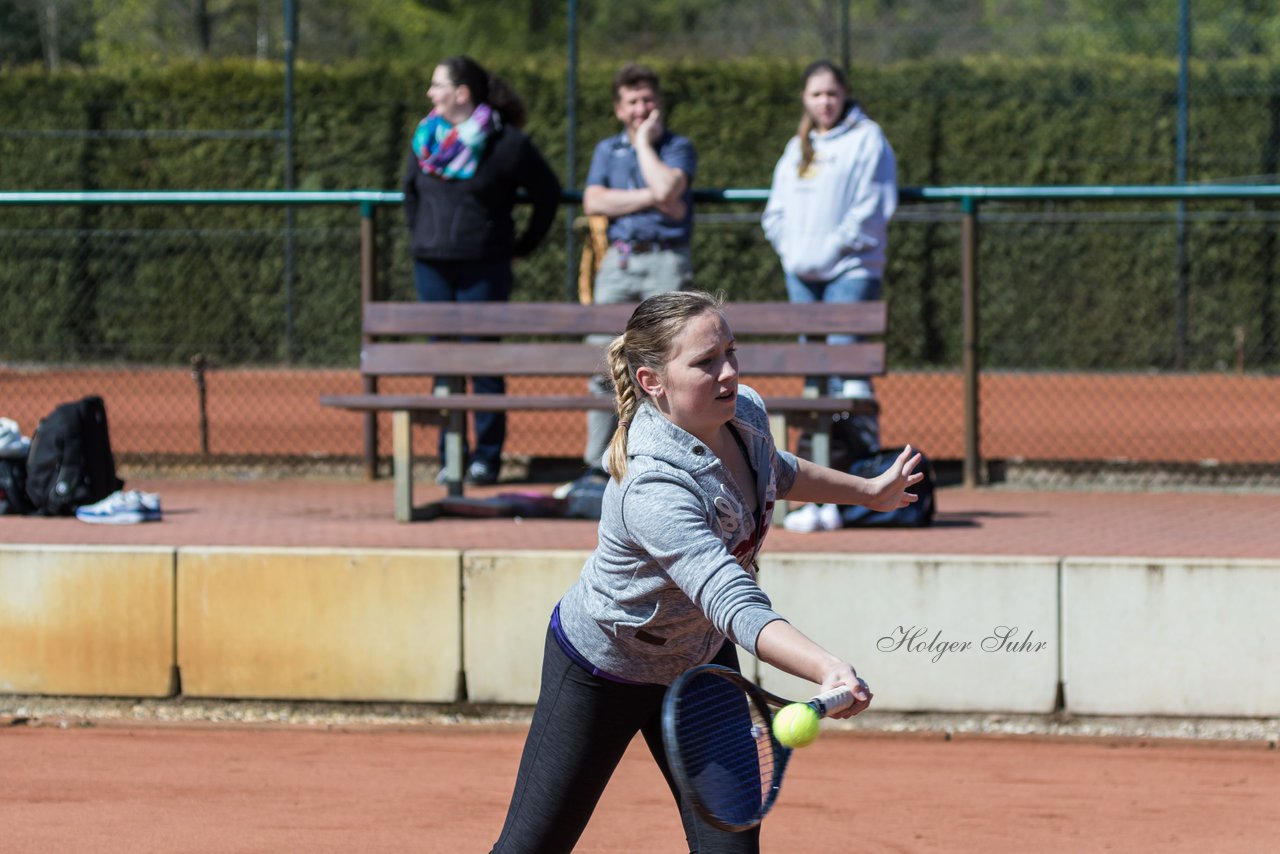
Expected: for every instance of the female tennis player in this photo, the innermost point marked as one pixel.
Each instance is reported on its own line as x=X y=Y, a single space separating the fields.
x=672 y=583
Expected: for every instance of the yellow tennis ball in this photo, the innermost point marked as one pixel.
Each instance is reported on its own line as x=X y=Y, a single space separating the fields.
x=795 y=725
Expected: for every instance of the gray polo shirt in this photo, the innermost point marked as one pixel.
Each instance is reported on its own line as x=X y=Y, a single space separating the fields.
x=614 y=165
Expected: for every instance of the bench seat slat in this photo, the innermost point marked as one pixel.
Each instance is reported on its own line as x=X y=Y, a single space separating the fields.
x=468 y=402
x=494 y=318
x=570 y=319
x=426 y=403
x=517 y=359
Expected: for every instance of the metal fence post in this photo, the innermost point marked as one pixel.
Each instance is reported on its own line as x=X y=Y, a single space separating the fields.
x=290 y=212
x=971 y=356
x=368 y=293
x=1180 y=178
x=571 y=147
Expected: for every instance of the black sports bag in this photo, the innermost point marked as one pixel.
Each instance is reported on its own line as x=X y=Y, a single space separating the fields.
x=70 y=462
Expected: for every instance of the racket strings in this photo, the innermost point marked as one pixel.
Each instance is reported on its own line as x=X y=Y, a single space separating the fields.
x=727 y=750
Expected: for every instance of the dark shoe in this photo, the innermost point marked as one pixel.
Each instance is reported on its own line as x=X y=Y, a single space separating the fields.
x=480 y=473
x=591 y=473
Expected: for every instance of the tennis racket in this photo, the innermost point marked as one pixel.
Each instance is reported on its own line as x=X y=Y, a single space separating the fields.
x=717 y=728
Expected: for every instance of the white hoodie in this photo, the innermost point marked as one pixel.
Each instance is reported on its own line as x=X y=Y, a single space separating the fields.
x=835 y=218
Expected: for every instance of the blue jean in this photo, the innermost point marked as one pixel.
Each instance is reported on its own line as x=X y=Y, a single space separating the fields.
x=851 y=287
x=472 y=281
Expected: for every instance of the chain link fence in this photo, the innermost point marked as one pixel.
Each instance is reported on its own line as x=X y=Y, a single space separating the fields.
x=1080 y=377
x=1136 y=342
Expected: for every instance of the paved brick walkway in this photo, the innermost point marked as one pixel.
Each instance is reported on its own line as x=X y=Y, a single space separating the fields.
x=996 y=521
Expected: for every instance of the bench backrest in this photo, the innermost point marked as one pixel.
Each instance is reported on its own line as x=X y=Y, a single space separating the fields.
x=569 y=322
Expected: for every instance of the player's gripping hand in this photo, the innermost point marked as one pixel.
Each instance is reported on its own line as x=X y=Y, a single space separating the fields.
x=844 y=674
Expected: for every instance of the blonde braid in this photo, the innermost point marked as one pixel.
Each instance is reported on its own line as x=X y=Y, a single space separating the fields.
x=806 y=145
x=647 y=343
x=625 y=401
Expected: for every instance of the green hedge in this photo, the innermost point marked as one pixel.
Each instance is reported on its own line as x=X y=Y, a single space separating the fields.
x=1063 y=287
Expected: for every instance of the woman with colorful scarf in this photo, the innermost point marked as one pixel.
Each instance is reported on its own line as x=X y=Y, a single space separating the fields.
x=467 y=160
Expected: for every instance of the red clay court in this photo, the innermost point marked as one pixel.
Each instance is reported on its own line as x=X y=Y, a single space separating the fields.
x=441 y=786
x=444 y=788
x=143 y=786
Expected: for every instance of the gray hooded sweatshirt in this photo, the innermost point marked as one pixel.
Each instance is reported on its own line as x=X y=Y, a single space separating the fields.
x=674 y=572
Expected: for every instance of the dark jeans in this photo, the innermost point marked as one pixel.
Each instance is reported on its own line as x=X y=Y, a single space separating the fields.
x=581 y=727
x=472 y=281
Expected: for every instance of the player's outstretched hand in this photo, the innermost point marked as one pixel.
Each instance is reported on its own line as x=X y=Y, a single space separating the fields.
x=889 y=489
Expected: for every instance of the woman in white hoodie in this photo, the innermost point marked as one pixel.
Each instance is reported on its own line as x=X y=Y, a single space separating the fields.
x=834 y=191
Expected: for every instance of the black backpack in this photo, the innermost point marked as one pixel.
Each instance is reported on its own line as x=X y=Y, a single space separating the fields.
x=13 y=487
x=70 y=462
x=586 y=495
x=915 y=515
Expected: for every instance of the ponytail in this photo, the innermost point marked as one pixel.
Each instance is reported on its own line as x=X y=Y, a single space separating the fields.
x=626 y=400
x=647 y=343
x=487 y=88
x=506 y=103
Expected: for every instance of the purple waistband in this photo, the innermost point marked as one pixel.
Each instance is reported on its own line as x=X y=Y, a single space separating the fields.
x=576 y=657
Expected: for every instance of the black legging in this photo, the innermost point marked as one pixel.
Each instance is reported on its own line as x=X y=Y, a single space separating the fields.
x=581 y=727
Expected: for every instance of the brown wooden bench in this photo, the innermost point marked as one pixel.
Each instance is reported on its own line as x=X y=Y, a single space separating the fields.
x=404 y=339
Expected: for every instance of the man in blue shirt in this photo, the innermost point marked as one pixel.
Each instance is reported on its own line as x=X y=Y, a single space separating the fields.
x=641 y=180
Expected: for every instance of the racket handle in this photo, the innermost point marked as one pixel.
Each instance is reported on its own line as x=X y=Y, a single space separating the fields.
x=835 y=700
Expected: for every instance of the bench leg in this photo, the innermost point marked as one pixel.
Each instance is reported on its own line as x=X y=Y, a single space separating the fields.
x=402 y=464
x=822 y=441
x=778 y=427
x=453 y=457
x=453 y=463
x=820 y=437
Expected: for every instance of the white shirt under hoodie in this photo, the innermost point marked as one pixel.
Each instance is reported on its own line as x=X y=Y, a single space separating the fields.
x=834 y=219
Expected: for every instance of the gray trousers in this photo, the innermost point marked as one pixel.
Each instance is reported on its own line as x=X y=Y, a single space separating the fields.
x=628 y=278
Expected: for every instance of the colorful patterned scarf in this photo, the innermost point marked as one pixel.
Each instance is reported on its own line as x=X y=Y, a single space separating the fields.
x=450 y=152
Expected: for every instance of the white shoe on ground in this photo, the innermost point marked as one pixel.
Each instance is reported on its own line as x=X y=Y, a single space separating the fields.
x=857 y=389
x=122 y=508
x=13 y=444
x=813 y=517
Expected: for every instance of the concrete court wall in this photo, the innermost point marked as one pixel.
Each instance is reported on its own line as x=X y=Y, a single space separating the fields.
x=1187 y=638
x=319 y=624
x=507 y=600
x=1125 y=636
x=965 y=634
x=89 y=621
x=882 y=611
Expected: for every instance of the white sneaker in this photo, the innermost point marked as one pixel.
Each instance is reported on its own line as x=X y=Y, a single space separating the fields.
x=857 y=389
x=122 y=508
x=150 y=505
x=13 y=444
x=813 y=517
